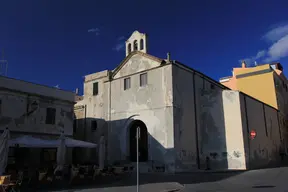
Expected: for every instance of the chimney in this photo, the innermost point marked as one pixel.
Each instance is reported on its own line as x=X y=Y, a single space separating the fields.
x=76 y=91
x=243 y=64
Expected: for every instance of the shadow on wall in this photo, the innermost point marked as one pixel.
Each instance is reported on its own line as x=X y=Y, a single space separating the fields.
x=221 y=136
x=152 y=153
x=208 y=138
x=121 y=143
x=90 y=130
x=213 y=153
x=267 y=149
x=199 y=123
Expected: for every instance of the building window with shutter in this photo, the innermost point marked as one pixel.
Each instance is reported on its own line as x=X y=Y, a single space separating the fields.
x=143 y=79
x=95 y=88
x=127 y=83
x=50 y=116
x=93 y=125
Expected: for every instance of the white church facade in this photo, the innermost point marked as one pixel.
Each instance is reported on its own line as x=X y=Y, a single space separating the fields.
x=187 y=120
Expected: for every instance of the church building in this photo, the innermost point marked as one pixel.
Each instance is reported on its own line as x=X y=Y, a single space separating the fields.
x=187 y=120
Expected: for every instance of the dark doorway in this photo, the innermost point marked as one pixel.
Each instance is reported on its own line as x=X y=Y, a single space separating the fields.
x=143 y=141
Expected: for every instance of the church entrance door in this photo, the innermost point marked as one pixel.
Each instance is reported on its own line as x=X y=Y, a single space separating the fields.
x=143 y=141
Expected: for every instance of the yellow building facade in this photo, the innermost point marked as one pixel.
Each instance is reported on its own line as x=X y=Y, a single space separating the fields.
x=265 y=82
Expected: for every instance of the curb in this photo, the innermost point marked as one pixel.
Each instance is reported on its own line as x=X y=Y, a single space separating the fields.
x=171 y=190
x=179 y=188
x=198 y=171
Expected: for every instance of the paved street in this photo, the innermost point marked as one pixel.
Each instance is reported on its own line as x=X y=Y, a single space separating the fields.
x=270 y=180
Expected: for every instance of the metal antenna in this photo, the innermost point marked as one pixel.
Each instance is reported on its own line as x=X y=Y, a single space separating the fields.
x=3 y=65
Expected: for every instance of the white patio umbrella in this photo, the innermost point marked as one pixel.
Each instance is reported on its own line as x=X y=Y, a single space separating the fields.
x=4 y=149
x=101 y=152
x=61 y=153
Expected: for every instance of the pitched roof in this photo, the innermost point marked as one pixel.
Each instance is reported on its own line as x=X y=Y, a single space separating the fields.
x=132 y=54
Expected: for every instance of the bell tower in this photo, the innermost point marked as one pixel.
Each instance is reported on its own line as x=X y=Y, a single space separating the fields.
x=136 y=42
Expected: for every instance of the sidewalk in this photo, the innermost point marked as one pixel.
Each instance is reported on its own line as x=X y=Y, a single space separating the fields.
x=196 y=181
x=150 y=181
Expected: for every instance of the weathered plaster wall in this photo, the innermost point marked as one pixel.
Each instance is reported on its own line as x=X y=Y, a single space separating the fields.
x=136 y=63
x=212 y=136
x=264 y=149
x=283 y=132
x=14 y=107
x=97 y=104
x=35 y=89
x=80 y=122
x=16 y=97
x=93 y=108
x=192 y=93
x=235 y=148
x=184 y=119
x=282 y=103
x=152 y=104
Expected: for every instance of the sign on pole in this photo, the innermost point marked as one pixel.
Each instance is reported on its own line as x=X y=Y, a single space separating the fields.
x=252 y=134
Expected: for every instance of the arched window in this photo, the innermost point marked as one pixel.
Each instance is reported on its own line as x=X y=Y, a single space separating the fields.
x=129 y=48
x=141 y=44
x=135 y=46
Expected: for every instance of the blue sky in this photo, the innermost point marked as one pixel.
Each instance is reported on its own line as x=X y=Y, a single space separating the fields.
x=58 y=42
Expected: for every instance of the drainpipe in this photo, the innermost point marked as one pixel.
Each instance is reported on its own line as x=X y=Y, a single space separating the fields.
x=85 y=121
x=27 y=104
x=196 y=122
x=247 y=127
x=109 y=120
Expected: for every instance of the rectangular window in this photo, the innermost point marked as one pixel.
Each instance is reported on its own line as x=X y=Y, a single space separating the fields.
x=50 y=116
x=93 y=125
x=143 y=79
x=127 y=83
x=95 y=88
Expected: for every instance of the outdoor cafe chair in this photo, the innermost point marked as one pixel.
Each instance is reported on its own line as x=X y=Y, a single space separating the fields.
x=6 y=184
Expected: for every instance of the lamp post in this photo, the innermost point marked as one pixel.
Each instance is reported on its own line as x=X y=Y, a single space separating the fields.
x=137 y=161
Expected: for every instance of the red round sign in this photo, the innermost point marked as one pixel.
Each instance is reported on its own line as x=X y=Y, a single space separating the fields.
x=252 y=134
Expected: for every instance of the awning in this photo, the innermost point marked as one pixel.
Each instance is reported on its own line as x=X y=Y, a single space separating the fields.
x=77 y=143
x=32 y=142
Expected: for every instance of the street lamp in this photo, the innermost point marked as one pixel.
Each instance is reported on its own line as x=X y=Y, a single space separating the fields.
x=137 y=146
